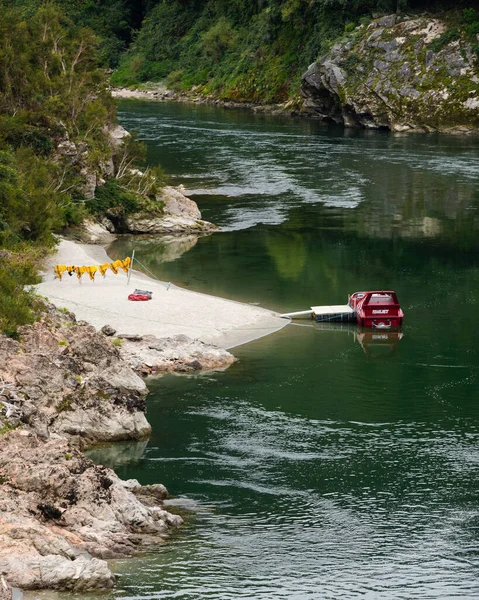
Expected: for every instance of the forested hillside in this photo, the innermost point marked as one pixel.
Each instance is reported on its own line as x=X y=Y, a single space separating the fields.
x=253 y=50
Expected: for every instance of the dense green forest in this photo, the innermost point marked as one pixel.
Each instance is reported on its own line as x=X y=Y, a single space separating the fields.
x=244 y=50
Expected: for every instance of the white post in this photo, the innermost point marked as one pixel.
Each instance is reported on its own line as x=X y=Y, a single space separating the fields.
x=131 y=267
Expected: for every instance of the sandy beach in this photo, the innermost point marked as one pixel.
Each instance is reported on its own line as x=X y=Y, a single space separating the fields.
x=172 y=310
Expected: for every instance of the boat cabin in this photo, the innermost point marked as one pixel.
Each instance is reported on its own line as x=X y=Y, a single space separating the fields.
x=379 y=309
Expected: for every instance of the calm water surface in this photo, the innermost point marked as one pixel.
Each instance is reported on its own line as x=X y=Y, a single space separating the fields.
x=326 y=463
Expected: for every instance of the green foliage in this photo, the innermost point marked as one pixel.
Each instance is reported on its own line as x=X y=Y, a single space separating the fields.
x=114 y=195
x=238 y=50
x=51 y=89
x=218 y=39
x=51 y=92
x=471 y=25
x=351 y=62
x=18 y=306
x=450 y=35
x=64 y=405
x=3 y=430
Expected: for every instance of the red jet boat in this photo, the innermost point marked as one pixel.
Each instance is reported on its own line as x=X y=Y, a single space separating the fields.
x=379 y=310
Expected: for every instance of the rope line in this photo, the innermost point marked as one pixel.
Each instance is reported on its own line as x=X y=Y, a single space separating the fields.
x=167 y=285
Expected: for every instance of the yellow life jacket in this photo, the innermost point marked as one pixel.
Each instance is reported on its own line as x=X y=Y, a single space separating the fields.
x=92 y=271
x=114 y=267
x=103 y=268
x=80 y=271
x=59 y=270
x=125 y=264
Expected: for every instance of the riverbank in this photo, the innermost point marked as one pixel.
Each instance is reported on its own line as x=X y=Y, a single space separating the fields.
x=65 y=387
x=159 y=93
x=172 y=310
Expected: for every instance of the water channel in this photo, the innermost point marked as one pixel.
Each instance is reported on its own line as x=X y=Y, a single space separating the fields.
x=326 y=463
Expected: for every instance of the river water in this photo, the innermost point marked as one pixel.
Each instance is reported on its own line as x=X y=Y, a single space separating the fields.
x=327 y=462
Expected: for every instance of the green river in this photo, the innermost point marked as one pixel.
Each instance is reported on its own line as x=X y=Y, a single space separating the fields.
x=326 y=463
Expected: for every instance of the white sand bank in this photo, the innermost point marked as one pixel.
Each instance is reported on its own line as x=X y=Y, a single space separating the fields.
x=173 y=311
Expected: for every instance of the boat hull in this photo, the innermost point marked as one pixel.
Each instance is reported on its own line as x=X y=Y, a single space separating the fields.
x=377 y=310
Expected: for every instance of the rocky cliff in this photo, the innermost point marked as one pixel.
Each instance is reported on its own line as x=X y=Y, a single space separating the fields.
x=63 y=387
x=180 y=215
x=62 y=515
x=397 y=73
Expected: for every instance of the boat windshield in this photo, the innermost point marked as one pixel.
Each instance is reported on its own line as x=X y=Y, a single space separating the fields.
x=381 y=299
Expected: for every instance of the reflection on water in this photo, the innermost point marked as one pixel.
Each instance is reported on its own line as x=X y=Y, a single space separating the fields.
x=118 y=454
x=379 y=344
x=328 y=462
x=247 y=169
x=163 y=248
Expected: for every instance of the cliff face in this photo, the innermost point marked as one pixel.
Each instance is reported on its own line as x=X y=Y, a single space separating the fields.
x=397 y=73
x=63 y=386
x=62 y=516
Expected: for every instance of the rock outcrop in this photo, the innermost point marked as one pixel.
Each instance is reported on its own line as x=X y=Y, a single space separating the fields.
x=62 y=515
x=64 y=387
x=397 y=73
x=175 y=215
x=63 y=377
x=179 y=354
x=180 y=215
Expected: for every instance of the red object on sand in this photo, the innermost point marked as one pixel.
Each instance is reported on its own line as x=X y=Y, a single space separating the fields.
x=138 y=297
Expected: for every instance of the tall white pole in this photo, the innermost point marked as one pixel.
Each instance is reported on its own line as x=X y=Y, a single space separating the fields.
x=131 y=267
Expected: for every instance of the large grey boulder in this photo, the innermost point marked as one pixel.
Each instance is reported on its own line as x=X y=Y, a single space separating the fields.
x=397 y=73
x=180 y=354
x=178 y=215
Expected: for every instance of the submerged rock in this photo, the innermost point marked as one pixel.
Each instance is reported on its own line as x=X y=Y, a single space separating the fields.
x=397 y=73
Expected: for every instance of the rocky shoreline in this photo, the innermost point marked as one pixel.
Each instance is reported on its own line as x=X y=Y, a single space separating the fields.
x=159 y=93
x=398 y=73
x=66 y=387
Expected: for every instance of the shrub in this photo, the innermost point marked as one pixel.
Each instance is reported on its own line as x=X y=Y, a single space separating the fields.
x=218 y=39
x=18 y=306
x=450 y=35
x=113 y=195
